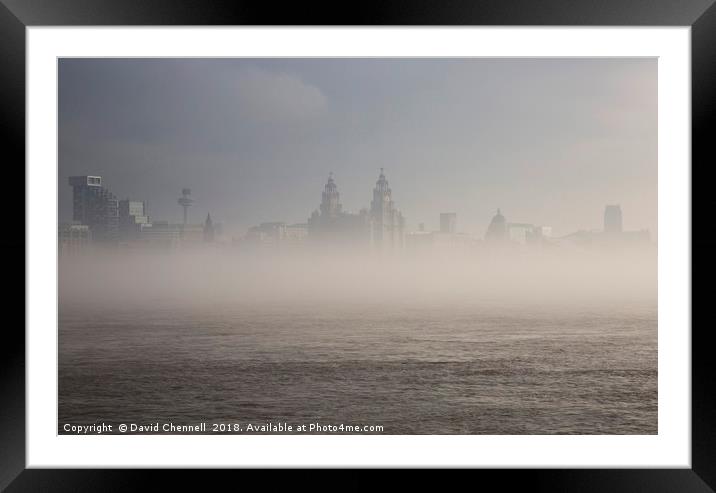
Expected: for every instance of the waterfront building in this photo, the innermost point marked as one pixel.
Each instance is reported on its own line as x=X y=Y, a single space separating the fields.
x=519 y=232
x=448 y=222
x=96 y=207
x=539 y=235
x=73 y=238
x=330 y=225
x=381 y=227
x=387 y=222
x=161 y=235
x=271 y=233
x=277 y=233
x=208 y=230
x=420 y=241
x=497 y=230
x=612 y=236
x=613 y=219
x=296 y=234
x=132 y=215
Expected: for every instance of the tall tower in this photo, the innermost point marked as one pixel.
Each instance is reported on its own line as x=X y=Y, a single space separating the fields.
x=381 y=206
x=613 y=219
x=388 y=222
x=208 y=229
x=185 y=201
x=330 y=201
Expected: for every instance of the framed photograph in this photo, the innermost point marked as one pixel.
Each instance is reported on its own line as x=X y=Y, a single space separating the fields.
x=422 y=237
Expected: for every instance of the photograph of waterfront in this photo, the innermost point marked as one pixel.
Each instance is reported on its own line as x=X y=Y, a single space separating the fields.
x=357 y=246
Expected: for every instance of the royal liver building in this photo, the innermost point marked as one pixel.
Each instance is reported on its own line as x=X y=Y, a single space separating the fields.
x=387 y=222
x=381 y=227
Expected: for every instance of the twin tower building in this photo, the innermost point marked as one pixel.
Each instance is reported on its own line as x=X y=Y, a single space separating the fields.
x=382 y=227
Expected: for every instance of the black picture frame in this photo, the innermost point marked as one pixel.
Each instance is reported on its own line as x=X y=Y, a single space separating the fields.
x=16 y=15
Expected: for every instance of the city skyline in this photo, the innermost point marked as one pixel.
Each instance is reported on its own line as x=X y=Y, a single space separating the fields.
x=254 y=138
x=329 y=220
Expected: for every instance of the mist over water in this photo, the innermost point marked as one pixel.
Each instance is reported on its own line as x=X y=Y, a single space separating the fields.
x=498 y=343
x=317 y=279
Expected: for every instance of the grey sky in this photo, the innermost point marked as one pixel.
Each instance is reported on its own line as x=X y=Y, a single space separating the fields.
x=549 y=141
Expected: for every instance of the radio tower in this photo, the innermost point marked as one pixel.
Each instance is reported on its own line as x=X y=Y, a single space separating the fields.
x=185 y=201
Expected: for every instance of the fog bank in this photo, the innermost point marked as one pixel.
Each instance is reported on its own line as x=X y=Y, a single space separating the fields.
x=202 y=279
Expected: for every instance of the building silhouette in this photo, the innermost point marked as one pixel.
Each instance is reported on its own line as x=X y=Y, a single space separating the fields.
x=96 y=207
x=277 y=234
x=331 y=200
x=161 y=235
x=613 y=236
x=132 y=218
x=208 y=230
x=539 y=235
x=448 y=222
x=613 y=219
x=330 y=225
x=73 y=238
x=387 y=222
x=497 y=230
x=266 y=234
x=381 y=227
x=519 y=232
x=185 y=201
x=511 y=233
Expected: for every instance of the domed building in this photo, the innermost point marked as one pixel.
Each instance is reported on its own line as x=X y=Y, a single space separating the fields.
x=497 y=230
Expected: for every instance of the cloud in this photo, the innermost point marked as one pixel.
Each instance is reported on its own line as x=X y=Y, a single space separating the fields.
x=255 y=138
x=268 y=97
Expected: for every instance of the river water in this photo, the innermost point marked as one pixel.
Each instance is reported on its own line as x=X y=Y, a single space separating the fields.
x=477 y=368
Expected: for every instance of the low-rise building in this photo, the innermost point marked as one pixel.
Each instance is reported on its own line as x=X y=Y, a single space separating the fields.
x=74 y=238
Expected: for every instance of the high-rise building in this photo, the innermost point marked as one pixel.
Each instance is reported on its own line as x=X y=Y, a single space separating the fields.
x=95 y=206
x=387 y=222
x=448 y=222
x=613 y=219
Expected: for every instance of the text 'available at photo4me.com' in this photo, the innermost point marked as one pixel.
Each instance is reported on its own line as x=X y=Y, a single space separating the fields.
x=168 y=427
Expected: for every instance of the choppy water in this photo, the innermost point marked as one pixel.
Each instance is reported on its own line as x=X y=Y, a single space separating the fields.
x=428 y=370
